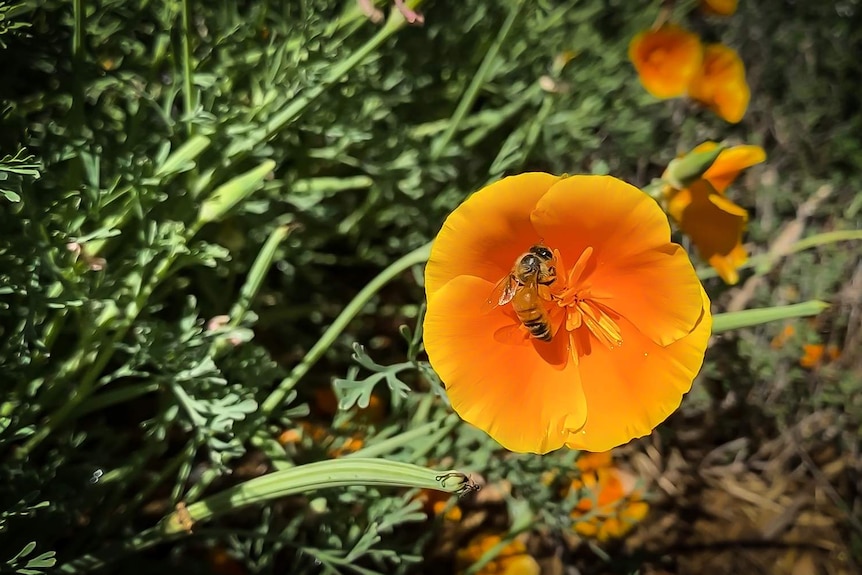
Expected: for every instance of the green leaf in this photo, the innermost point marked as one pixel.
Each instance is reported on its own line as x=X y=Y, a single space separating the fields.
x=232 y=192
x=10 y=195
x=28 y=548
x=46 y=559
x=183 y=158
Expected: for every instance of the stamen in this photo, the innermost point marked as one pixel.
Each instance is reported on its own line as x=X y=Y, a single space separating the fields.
x=580 y=266
x=574 y=320
x=577 y=299
x=600 y=324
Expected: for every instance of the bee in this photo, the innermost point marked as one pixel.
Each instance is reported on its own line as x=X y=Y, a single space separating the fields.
x=521 y=287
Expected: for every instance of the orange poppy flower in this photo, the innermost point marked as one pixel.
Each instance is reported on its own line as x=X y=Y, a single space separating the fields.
x=714 y=223
x=613 y=507
x=592 y=461
x=436 y=502
x=813 y=354
x=666 y=59
x=335 y=444
x=779 y=340
x=628 y=320
x=730 y=163
x=720 y=84
x=513 y=559
x=719 y=7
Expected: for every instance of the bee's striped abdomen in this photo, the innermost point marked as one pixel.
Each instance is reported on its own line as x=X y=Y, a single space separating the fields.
x=536 y=321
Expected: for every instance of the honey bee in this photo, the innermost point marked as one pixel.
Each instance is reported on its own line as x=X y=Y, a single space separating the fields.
x=521 y=287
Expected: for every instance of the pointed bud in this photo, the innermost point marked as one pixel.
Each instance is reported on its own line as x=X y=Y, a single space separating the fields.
x=684 y=171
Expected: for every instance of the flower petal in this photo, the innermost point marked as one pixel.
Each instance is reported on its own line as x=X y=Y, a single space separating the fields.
x=666 y=59
x=485 y=235
x=657 y=291
x=727 y=265
x=731 y=100
x=714 y=224
x=632 y=388
x=526 y=400
x=730 y=163
x=614 y=218
x=721 y=84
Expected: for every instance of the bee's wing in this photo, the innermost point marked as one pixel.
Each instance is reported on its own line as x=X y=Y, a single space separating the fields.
x=502 y=293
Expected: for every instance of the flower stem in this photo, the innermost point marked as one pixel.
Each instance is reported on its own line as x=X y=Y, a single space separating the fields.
x=478 y=80
x=277 y=396
x=301 y=479
x=188 y=95
x=751 y=317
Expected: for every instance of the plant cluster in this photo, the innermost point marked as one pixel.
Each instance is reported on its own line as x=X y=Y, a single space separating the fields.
x=213 y=222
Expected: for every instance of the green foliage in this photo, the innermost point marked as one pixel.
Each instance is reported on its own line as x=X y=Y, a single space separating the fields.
x=13 y=170
x=34 y=565
x=205 y=206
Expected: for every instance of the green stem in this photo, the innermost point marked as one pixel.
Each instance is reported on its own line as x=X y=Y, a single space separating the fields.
x=301 y=479
x=115 y=396
x=311 y=477
x=751 y=317
x=249 y=290
x=78 y=32
x=188 y=95
x=478 y=80
x=256 y=274
x=277 y=396
x=406 y=437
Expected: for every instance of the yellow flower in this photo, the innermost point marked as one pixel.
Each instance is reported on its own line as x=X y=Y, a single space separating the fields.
x=627 y=318
x=720 y=84
x=719 y=7
x=666 y=59
x=714 y=223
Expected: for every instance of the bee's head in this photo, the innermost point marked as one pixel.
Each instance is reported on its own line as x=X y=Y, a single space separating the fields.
x=529 y=264
x=542 y=252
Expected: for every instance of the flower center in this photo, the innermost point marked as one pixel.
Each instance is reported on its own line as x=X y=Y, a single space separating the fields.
x=584 y=309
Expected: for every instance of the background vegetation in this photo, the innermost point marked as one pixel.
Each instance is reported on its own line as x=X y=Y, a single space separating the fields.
x=192 y=192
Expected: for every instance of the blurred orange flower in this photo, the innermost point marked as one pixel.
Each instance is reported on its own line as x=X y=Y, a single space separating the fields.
x=719 y=7
x=612 y=507
x=592 y=461
x=714 y=223
x=814 y=352
x=666 y=59
x=513 y=559
x=335 y=443
x=629 y=320
x=222 y=563
x=720 y=84
x=779 y=340
x=436 y=502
